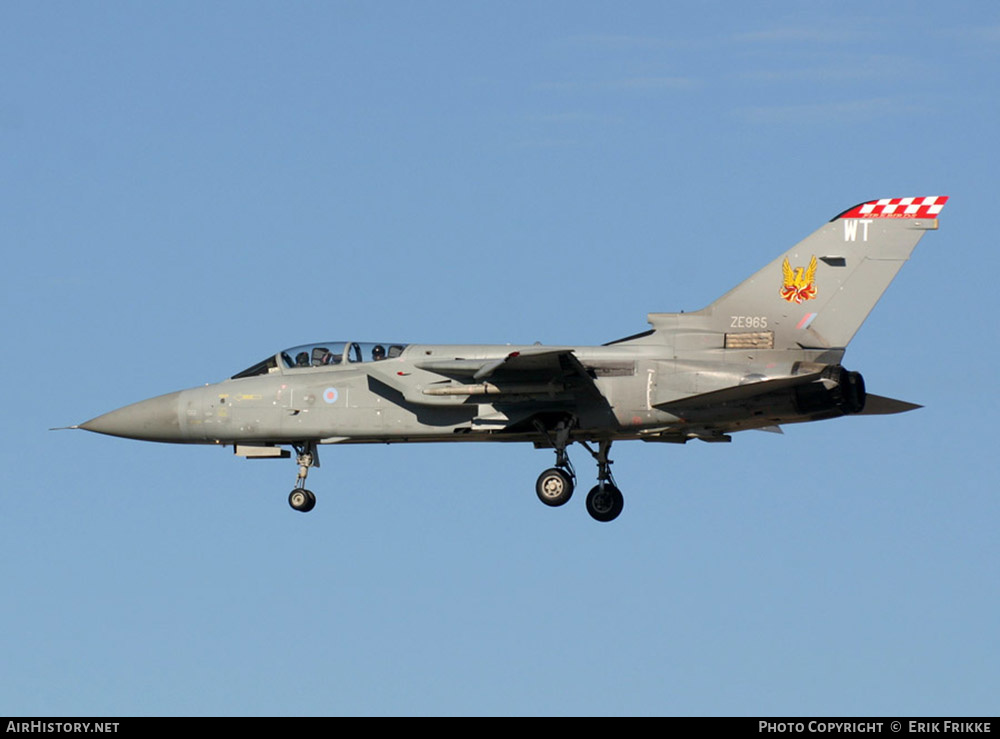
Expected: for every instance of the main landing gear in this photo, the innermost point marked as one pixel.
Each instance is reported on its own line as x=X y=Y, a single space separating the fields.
x=604 y=501
x=554 y=487
x=301 y=499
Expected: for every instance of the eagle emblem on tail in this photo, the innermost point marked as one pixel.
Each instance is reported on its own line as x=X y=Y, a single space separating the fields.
x=798 y=284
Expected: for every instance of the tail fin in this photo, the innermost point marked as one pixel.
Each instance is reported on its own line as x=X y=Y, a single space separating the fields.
x=819 y=292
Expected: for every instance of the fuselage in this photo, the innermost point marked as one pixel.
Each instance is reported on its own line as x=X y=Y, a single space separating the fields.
x=353 y=392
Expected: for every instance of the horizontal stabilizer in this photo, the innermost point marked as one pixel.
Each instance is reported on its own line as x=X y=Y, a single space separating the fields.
x=876 y=405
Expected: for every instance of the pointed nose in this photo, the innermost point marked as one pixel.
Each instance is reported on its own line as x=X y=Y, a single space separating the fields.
x=156 y=419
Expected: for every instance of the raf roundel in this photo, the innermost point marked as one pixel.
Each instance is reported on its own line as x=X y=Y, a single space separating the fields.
x=330 y=395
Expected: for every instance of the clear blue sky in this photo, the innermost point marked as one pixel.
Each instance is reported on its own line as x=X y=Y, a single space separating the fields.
x=189 y=186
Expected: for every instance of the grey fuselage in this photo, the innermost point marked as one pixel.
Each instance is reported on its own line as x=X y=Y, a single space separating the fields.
x=430 y=393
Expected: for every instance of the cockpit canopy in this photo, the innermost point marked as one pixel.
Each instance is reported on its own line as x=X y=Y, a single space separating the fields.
x=324 y=354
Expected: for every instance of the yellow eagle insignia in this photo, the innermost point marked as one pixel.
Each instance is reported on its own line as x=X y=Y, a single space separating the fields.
x=799 y=284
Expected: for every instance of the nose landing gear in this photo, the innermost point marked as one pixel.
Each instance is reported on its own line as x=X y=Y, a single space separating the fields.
x=307 y=456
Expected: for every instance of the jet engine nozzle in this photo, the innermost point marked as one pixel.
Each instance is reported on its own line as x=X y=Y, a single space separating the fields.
x=837 y=390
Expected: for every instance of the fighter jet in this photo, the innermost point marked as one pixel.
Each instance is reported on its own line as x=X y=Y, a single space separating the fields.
x=766 y=354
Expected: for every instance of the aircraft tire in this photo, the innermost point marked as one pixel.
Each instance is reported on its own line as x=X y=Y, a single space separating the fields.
x=605 y=505
x=302 y=500
x=554 y=487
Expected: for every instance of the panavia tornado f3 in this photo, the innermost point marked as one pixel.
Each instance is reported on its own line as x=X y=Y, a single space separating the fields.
x=765 y=354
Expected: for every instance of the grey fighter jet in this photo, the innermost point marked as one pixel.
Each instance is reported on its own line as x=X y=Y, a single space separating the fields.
x=765 y=354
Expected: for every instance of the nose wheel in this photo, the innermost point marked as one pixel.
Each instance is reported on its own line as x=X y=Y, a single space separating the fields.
x=302 y=500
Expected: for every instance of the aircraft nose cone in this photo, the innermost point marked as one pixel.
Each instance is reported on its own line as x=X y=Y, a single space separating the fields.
x=156 y=419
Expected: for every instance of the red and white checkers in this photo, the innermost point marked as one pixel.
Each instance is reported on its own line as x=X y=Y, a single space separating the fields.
x=928 y=207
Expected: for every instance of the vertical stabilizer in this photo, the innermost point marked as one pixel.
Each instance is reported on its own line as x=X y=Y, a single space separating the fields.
x=818 y=293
